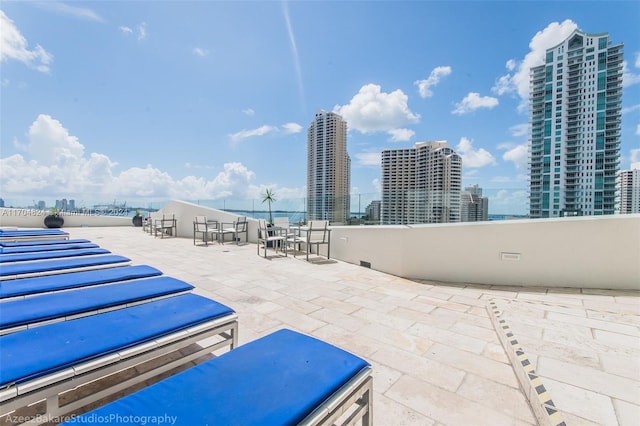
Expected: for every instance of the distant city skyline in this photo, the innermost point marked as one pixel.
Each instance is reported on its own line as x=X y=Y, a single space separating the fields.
x=151 y=101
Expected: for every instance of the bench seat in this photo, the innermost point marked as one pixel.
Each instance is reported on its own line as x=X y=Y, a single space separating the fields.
x=17 y=270
x=42 y=243
x=285 y=378
x=45 y=247
x=51 y=254
x=45 y=308
x=30 y=286
x=42 y=362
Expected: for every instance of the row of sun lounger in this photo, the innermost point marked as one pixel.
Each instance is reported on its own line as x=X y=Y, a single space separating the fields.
x=69 y=320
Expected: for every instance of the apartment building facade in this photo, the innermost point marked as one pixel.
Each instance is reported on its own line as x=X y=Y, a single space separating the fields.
x=328 y=169
x=473 y=206
x=575 y=117
x=630 y=191
x=421 y=184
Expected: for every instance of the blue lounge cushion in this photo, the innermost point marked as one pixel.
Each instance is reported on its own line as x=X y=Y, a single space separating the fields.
x=30 y=232
x=276 y=380
x=46 y=247
x=40 y=242
x=25 y=257
x=61 y=304
x=34 y=285
x=39 y=351
x=19 y=268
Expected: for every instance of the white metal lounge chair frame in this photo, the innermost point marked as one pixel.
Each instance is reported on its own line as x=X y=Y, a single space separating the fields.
x=13 y=239
x=51 y=386
x=63 y=271
x=357 y=391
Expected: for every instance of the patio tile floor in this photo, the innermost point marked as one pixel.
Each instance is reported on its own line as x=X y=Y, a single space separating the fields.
x=436 y=356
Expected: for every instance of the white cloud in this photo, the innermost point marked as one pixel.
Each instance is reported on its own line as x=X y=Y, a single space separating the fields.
x=260 y=131
x=424 y=86
x=377 y=184
x=199 y=51
x=638 y=130
x=629 y=78
x=474 y=158
x=55 y=165
x=74 y=11
x=292 y=127
x=519 y=130
x=632 y=108
x=14 y=46
x=472 y=102
x=637 y=64
x=635 y=155
x=141 y=32
x=401 y=135
x=517 y=79
x=519 y=155
x=372 y=110
x=250 y=112
x=368 y=158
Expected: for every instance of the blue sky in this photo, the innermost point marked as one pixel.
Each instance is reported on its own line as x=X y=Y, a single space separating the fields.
x=209 y=100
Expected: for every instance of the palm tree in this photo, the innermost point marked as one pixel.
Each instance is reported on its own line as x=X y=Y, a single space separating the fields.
x=269 y=196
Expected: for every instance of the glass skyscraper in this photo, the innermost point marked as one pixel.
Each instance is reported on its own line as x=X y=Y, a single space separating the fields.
x=575 y=117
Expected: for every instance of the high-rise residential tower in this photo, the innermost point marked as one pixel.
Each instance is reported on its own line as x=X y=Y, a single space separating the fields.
x=328 y=169
x=421 y=184
x=575 y=116
x=630 y=191
x=473 y=206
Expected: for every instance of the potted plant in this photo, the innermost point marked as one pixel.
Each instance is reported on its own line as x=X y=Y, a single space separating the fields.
x=54 y=220
x=137 y=219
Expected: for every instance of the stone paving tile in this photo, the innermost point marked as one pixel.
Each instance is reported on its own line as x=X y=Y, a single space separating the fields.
x=446 y=407
x=473 y=363
x=590 y=379
x=502 y=398
x=436 y=358
x=581 y=402
x=436 y=373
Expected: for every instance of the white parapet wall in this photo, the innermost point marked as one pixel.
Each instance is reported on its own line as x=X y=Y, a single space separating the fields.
x=34 y=218
x=586 y=252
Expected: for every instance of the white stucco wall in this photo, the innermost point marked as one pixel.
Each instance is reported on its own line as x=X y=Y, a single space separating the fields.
x=587 y=252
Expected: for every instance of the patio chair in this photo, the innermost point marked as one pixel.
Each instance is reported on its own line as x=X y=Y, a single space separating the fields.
x=238 y=227
x=38 y=268
x=33 y=311
x=286 y=378
x=206 y=228
x=47 y=361
x=268 y=237
x=167 y=226
x=50 y=283
x=318 y=234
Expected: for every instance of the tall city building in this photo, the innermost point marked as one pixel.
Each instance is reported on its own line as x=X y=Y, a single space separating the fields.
x=473 y=206
x=372 y=211
x=575 y=116
x=328 y=169
x=630 y=191
x=421 y=184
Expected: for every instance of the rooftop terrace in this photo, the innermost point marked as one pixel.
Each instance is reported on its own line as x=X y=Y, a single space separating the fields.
x=436 y=348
